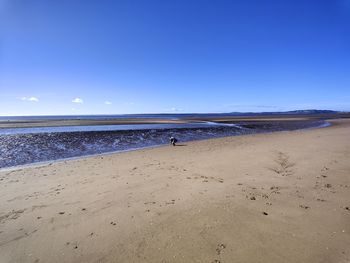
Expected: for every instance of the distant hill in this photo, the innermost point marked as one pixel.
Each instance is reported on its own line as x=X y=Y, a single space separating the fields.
x=294 y=112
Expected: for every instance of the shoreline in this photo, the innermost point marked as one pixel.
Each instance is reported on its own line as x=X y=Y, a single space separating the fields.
x=327 y=123
x=187 y=118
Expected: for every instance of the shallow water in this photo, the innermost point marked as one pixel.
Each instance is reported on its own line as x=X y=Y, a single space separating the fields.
x=119 y=127
x=31 y=145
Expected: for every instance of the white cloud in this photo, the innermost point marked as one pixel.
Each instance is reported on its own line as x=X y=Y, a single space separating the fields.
x=34 y=99
x=176 y=109
x=108 y=102
x=78 y=100
x=173 y=109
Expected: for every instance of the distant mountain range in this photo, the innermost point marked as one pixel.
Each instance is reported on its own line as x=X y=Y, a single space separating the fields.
x=294 y=112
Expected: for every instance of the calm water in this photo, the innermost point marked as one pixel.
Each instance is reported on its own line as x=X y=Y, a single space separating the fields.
x=29 y=145
x=120 y=116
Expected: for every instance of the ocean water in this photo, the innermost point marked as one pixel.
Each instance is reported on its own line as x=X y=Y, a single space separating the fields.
x=19 y=146
x=118 y=116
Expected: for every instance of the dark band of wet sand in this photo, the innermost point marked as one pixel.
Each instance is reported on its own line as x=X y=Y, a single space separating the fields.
x=277 y=197
x=57 y=122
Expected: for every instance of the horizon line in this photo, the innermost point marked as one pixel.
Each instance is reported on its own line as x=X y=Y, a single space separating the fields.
x=177 y=113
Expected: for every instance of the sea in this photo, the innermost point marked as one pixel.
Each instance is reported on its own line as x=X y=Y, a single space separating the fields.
x=21 y=146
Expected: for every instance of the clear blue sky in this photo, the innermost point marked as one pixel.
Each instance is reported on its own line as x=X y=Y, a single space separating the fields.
x=111 y=57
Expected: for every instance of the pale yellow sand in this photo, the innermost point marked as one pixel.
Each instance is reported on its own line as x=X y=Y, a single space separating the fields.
x=203 y=202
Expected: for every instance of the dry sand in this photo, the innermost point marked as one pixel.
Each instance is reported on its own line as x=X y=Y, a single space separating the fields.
x=278 y=197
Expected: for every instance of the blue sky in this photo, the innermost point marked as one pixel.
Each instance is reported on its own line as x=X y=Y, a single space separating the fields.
x=115 y=57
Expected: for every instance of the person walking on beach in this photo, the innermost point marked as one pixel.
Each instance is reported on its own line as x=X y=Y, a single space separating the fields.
x=173 y=140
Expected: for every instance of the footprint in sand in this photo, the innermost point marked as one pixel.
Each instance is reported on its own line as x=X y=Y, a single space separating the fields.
x=13 y=215
x=265 y=196
x=172 y=202
x=325 y=168
x=206 y=179
x=148 y=203
x=220 y=248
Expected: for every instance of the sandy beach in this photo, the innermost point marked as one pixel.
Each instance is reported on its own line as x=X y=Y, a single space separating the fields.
x=276 y=197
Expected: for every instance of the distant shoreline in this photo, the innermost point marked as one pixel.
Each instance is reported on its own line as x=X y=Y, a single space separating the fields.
x=45 y=121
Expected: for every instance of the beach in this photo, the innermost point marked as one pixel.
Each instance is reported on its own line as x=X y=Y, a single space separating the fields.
x=272 y=197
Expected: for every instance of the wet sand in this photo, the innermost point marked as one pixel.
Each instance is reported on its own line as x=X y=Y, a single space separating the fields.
x=277 y=197
x=31 y=123
x=81 y=122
